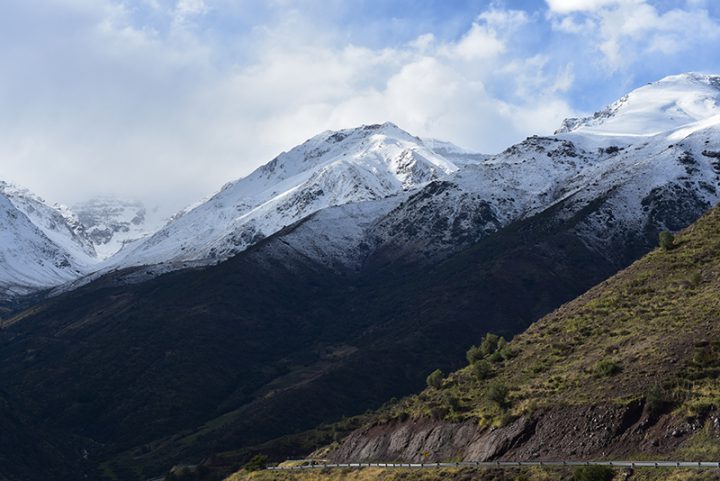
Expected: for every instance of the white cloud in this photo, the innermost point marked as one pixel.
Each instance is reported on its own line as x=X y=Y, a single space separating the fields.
x=100 y=103
x=569 y=6
x=478 y=43
x=504 y=20
x=185 y=9
x=624 y=30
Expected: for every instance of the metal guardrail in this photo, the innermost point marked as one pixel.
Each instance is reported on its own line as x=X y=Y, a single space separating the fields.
x=508 y=464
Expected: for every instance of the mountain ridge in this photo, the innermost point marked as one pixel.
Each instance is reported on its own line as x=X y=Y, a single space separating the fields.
x=233 y=355
x=332 y=168
x=427 y=179
x=521 y=181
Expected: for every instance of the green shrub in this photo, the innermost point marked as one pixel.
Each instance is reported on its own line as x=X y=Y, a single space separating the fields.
x=435 y=379
x=257 y=463
x=495 y=357
x=489 y=344
x=607 y=368
x=593 y=473
x=666 y=240
x=492 y=347
x=498 y=393
x=482 y=370
x=474 y=354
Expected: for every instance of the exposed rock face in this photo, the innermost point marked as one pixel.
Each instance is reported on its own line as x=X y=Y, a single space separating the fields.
x=566 y=433
x=111 y=223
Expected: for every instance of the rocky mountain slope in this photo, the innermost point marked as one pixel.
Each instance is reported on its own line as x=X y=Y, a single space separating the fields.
x=40 y=246
x=110 y=223
x=44 y=246
x=663 y=175
x=334 y=168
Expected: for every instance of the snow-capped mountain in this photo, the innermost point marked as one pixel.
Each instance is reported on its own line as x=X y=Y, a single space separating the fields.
x=110 y=222
x=659 y=172
x=57 y=222
x=376 y=193
x=648 y=157
x=669 y=104
x=40 y=246
x=334 y=168
x=647 y=161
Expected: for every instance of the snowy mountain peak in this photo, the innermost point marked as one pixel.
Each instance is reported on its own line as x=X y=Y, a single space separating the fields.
x=57 y=222
x=40 y=246
x=669 y=104
x=342 y=145
x=333 y=168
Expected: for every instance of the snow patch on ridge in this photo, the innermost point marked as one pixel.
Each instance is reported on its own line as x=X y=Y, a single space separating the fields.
x=661 y=106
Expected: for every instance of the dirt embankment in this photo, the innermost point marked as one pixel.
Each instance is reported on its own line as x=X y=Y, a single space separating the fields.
x=562 y=433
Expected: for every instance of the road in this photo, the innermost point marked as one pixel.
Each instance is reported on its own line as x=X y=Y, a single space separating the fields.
x=510 y=464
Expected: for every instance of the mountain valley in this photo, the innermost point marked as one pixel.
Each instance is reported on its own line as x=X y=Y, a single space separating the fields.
x=340 y=274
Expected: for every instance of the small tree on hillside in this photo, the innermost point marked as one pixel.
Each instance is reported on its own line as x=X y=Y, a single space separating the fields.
x=435 y=379
x=666 y=240
x=498 y=393
x=482 y=370
x=474 y=354
x=489 y=344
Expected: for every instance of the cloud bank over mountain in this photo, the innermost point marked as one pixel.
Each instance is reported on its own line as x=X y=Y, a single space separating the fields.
x=160 y=99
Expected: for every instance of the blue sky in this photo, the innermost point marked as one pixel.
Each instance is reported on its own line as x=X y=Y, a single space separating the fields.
x=166 y=100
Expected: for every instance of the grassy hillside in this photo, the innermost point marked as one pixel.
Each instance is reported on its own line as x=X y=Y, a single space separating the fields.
x=647 y=337
x=650 y=332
